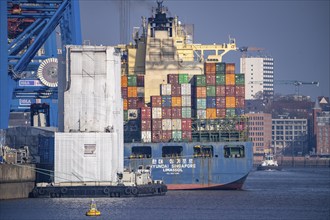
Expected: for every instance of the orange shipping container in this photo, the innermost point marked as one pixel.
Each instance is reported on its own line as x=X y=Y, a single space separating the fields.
x=123 y=81
x=230 y=68
x=230 y=79
x=211 y=113
x=230 y=102
x=176 y=101
x=200 y=92
x=132 y=92
x=125 y=104
x=209 y=68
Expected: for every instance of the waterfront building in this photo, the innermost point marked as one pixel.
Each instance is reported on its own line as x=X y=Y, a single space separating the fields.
x=260 y=132
x=289 y=135
x=321 y=116
x=259 y=77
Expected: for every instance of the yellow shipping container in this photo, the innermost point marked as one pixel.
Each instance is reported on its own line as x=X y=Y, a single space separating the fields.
x=176 y=101
x=230 y=79
x=132 y=92
x=125 y=104
x=211 y=113
x=230 y=102
x=123 y=81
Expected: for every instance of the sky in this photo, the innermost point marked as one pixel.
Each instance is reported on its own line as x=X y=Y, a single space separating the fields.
x=294 y=32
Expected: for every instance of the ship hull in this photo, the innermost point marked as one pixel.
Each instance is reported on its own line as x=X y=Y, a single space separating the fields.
x=190 y=172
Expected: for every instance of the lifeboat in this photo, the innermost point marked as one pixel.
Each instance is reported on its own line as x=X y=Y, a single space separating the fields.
x=93 y=210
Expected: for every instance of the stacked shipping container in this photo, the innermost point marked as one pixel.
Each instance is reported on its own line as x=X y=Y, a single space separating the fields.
x=219 y=93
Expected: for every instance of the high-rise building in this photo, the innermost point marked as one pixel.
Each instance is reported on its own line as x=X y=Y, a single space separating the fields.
x=259 y=77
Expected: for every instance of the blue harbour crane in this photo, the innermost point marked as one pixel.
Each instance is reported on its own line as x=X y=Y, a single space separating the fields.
x=33 y=35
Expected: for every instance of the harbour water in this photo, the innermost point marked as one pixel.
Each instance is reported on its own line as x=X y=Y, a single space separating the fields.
x=295 y=193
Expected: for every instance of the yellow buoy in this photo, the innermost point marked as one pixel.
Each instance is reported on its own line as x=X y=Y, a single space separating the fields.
x=93 y=210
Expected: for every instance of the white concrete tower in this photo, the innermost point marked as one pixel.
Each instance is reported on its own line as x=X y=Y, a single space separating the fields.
x=259 y=77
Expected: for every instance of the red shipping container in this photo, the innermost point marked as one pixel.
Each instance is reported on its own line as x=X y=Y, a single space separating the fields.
x=140 y=81
x=221 y=112
x=210 y=80
x=132 y=103
x=186 y=136
x=124 y=92
x=173 y=79
x=220 y=102
x=140 y=102
x=166 y=136
x=156 y=124
x=176 y=90
x=186 y=124
x=240 y=102
x=145 y=113
x=166 y=112
x=230 y=90
x=145 y=125
x=220 y=90
x=176 y=112
x=156 y=136
x=240 y=91
x=156 y=101
x=209 y=68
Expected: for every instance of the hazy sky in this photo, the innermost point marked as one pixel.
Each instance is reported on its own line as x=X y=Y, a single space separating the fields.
x=294 y=32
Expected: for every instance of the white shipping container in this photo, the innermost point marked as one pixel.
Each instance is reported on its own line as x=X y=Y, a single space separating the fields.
x=156 y=112
x=201 y=114
x=167 y=124
x=186 y=89
x=146 y=136
x=165 y=89
x=186 y=100
x=176 y=124
x=133 y=114
x=140 y=91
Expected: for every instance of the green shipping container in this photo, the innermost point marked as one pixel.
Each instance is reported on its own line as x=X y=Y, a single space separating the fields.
x=186 y=112
x=210 y=90
x=131 y=80
x=239 y=79
x=230 y=112
x=200 y=103
x=183 y=78
x=177 y=135
x=200 y=80
x=220 y=68
x=220 y=79
x=125 y=115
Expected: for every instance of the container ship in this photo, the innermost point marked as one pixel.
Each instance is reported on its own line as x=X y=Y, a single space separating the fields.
x=183 y=108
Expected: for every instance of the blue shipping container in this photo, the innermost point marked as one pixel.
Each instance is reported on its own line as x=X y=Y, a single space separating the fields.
x=210 y=102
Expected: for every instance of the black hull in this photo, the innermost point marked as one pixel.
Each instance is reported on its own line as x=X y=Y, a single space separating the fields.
x=98 y=191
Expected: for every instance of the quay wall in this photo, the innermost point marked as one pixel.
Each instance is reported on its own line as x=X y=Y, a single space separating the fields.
x=16 y=181
x=287 y=161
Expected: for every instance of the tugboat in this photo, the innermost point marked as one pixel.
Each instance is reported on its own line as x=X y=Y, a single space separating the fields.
x=93 y=211
x=269 y=163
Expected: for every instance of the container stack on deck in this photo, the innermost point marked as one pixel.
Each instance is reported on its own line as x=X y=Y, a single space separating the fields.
x=217 y=94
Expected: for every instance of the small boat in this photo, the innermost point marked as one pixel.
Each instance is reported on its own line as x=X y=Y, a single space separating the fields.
x=269 y=163
x=93 y=210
